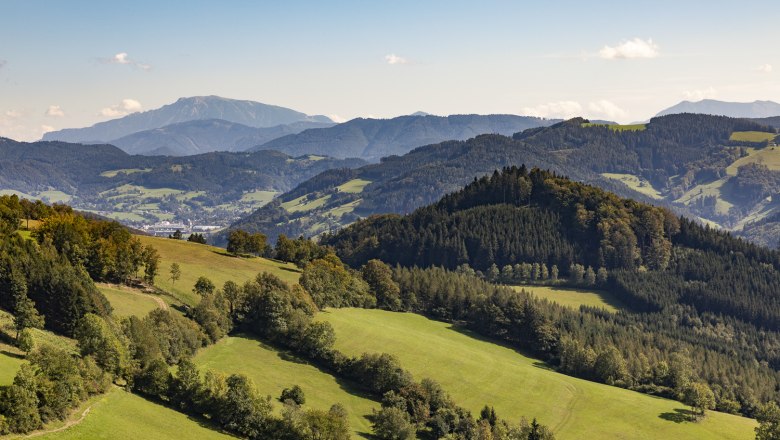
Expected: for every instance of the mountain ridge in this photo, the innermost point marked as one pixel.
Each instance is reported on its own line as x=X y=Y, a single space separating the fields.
x=755 y=109
x=250 y=113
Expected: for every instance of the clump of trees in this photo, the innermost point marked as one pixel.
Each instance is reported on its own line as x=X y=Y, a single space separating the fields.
x=242 y=242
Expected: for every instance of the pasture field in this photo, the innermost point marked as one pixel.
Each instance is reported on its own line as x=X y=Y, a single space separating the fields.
x=302 y=204
x=636 y=183
x=122 y=415
x=215 y=263
x=114 y=173
x=478 y=372
x=574 y=298
x=752 y=136
x=769 y=156
x=259 y=198
x=354 y=186
x=272 y=371
x=130 y=302
x=10 y=360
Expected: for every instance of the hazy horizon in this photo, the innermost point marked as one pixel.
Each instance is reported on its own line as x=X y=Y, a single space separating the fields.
x=76 y=64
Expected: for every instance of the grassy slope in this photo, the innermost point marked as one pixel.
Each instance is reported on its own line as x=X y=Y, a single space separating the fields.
x=198 y=260
x=127 y=302
x=9 y=363
x=574 y=298
x=752 y=136
x=122 y=415
x=272 y=371
x=636 y=183
x=477 y=372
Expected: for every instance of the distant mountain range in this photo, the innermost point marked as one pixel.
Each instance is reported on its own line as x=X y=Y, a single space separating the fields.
x=249 y=113
x=372 y=139
x=755 y=109
x=206 y=135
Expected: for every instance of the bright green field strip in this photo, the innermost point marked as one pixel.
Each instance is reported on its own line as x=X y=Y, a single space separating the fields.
x=354 y=186
x=120 y=216
x=114 y=173
x=708 y=189
x=262 y=197
x=197 y=260
x=315 y=158
x=54 y=196
x=127 y=302
x=300 y=204
x=272 y=371
x=574 y=298
x=765 y=156
x=618 y=127
x=122 y=415
x=752 y=136
x=636 y=183
x=9 y=364
x=477 y=372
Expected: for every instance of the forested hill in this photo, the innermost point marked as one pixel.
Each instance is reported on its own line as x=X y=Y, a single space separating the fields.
x=87 y=173
x=721 y=170
x=400 y=184
x=685 y=288
x=372 y=139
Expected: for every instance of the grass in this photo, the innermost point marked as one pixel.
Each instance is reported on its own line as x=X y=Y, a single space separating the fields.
x=636 y=183
x=122 y=415
x=618 y=127
x=708 y=189
x=477 y=372
x=301 y=204
x=354 y=186
x=10 y=361
x=766 y=156
x=197 y=260
x=114 y=173
x=574 y=298
x=127 y=301
x=752 y=136
x=259 y=197
x=272 y=371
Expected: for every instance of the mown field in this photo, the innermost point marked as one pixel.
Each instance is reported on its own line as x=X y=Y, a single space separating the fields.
x=477 y=372
x=272 y=371
x=122 y=415
x=130 y=302
x=752 y=136
x=574 y=298
x=212 y=262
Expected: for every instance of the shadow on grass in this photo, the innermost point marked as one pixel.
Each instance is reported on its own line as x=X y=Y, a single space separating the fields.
x=474 y=335
x=678 y=416
x=12 y=355
x=347 y=386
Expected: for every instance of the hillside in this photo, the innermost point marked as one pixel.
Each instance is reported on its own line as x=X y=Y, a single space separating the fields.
x=479 y=371
x=211 y=188
x=372 y=139
x=755 y=109
x=250 y=113
x=717 y=169
x=205 y=135
x=400 y=184
x=196 y=260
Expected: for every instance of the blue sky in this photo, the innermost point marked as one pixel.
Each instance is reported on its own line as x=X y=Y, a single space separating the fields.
x=75 y=63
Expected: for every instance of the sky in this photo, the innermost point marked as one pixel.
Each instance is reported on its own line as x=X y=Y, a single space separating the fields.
x=76 y=63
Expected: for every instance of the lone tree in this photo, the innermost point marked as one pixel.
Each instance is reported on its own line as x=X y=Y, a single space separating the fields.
x=700 y=398
x=175 y=273
x=203 y=286
x=769 y=422
x=294 y=394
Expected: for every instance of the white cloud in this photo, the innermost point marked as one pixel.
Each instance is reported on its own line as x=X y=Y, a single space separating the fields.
x=395 y=59
x=337 y=119
x=13 y=114
x=120 y=58
x=124 y=59
x=699 y=94
x=606 y=109
x=55 y=111
x=765 y=68
x=47 y=128
x=636 y=48
x=125 y=107
x=559 y=109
